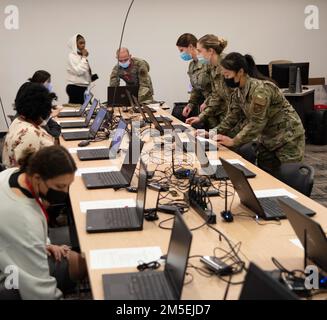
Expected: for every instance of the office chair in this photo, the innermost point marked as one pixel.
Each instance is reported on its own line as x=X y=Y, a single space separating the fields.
x=297 y=175
x=249 y=151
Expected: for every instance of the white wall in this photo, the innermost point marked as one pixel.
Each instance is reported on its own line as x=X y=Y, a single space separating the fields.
x=267 y=29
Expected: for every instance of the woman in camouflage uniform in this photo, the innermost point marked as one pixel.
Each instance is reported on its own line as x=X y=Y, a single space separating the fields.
x=262 y=112
x=198 y=72
x=214 y=109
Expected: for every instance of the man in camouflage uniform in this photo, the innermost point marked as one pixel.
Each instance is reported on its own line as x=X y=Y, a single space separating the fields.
x=261 y=112
x=135 y=72
x=216 y=104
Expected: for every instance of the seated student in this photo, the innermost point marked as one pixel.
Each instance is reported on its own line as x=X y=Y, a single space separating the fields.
x=45 y=270
x=134 y=72
x=198 y=72
x=261 y=111
x=33 y=104
x=44 y=77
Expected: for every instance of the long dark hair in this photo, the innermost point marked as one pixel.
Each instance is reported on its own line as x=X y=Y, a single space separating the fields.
x=235 y=62
x=40 y=76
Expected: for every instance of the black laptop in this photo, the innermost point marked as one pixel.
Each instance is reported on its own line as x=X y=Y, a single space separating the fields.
x=260 y=285
x=217 y=172
x=103 y=154
x=81 y=124
x=78 y=113
x=158 y=126
x=155 y=285
x=120 y=219
x=87 y=135
x=310 y=234
x=117 y=96
x=265 y=208
x=117 y=179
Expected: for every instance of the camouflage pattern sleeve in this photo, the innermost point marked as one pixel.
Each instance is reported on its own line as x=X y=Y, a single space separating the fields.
x=196 y=98
x=146 y=89
x=114 y=80
x=257 y=117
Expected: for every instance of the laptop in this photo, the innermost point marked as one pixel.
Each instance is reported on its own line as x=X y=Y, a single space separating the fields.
x=87 y=135
x=157 y=125
x=260 y=285
x=117 y=96
x=265 y=208
x=117 y=179
x=103 y=154
x=81 y=124
x=217 y=172
x=80 y=112
x=155 y=285
x=120 y=219
x=310 y=234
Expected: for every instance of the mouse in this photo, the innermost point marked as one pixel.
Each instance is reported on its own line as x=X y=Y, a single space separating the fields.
x=84 y=143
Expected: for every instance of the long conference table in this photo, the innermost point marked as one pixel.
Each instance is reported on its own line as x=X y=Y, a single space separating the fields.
x=259 y=243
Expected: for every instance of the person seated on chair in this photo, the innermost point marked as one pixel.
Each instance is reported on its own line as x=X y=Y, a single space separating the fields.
x=264 y=112
x=134 y=72
x=214 y=109
x=198 y=73
x=45 y=271
x=44 y=77
x=33 y=105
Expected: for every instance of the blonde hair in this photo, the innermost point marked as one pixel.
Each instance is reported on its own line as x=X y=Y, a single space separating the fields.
x=210 y=41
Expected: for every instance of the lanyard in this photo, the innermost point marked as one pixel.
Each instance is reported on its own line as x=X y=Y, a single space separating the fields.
x=30 y=188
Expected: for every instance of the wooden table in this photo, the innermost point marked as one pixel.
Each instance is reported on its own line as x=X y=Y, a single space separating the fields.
x=259 y=243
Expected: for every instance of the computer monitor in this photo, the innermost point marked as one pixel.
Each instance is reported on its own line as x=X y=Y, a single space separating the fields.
x=281 y=73
x=117 y=96
x=263 y=69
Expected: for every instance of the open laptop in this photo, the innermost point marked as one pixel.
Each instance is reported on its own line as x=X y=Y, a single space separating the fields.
x=217 y=172
x=117 y=96
x=80 y=112
x=81 y=124
x=265 y=208
x=117 y=179
x=310 y=234
x=103 y=154
x=87 y=135
x=260 y=285
x=157 y=125
x=120 y=219
x=155 y=285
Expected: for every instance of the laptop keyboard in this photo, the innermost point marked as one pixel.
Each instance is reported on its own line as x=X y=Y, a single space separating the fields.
x=111 y=178
x=150 y=286
x=121 y=217
x=271 y=207
x=220 y=173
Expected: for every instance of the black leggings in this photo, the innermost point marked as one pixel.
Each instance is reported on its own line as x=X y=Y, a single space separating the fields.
x=75 y=94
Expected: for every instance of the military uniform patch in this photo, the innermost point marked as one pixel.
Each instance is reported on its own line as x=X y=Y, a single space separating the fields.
x=259 y=103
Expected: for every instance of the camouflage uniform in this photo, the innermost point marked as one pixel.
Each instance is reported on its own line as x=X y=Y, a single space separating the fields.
x=217 y=102
x=262 y=112
x=137 y=74
x=199 y=74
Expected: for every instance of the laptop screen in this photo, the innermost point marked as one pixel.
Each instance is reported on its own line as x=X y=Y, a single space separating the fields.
x=178 y=252
x=153 y=119
x=117 y=138
x=98 y=121
x=85 y=104
x=91 y=111
x=141 y=191
x=261 y=286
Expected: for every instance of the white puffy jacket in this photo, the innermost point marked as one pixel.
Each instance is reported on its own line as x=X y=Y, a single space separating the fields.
x=78 y=67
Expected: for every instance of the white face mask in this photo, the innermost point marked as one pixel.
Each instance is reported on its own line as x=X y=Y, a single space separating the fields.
x=44 y=122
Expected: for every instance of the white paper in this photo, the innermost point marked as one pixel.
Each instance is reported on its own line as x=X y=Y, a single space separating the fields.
x=74 y=130
x=74 y=150
x=66 y=121
x=297 y=243
x=69 y=110
x=79 y=172
x=155 y=106
x=273 y=193
x=203 y=139
x=107 y=204
x=217 y=162
x=123 y=258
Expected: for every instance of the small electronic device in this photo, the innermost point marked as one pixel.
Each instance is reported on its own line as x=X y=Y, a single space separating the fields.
x=216 y=265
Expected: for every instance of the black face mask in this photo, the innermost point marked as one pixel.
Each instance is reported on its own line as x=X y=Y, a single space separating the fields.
x=55 y=197
x=230 y=83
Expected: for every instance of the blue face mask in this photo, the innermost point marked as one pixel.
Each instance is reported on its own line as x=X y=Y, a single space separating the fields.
x=185 y=56
x=202 y=59
x=49 y=86
x=125 y=65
